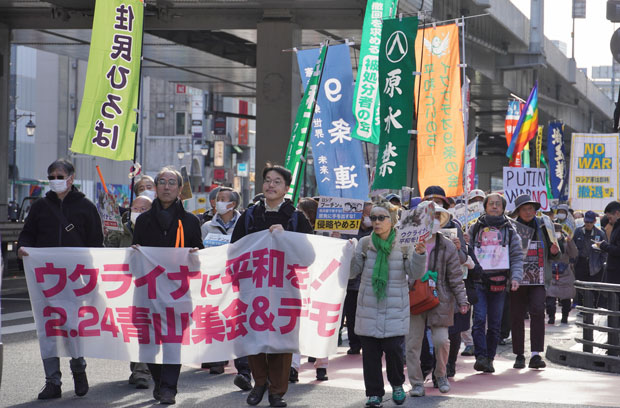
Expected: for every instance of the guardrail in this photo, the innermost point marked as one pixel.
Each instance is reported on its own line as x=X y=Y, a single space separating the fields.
x=599 y=299
x=606 y=295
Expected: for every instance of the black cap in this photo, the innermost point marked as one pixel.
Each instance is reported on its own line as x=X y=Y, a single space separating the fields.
x=436 y=192
x=525 y=199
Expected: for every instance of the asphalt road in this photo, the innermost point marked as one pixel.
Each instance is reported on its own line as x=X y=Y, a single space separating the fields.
x=556 y=386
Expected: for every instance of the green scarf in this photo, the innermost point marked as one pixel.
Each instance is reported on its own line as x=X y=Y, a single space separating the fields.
x=380 y=270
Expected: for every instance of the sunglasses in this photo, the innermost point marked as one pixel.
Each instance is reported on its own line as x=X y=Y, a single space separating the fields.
x=56 y=177
x=378 y=217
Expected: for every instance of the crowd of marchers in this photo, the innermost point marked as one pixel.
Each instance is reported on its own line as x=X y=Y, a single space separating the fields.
x=474 y=305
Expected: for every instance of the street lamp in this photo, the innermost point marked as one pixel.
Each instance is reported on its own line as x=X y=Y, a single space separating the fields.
x=30 y=129
x=180 y=153
x=204 y=149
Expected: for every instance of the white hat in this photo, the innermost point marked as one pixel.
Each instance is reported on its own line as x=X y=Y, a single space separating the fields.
x=476 y=193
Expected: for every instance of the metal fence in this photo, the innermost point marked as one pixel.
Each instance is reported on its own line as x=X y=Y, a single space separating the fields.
x=600 y=299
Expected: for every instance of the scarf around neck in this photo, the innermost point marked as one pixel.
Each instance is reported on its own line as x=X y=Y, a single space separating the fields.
x=380 y=269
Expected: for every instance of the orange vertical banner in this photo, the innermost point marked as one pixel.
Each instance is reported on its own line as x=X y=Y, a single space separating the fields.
x=441 y=140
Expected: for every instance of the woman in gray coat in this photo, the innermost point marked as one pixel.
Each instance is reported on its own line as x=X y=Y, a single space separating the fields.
x=382 y=317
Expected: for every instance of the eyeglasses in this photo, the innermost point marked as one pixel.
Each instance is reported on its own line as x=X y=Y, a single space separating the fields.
x=163 y=182
x=57 y=177
x=275 y=182
x=378 y=217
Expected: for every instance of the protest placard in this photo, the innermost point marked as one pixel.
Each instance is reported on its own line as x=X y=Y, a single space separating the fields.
x=520 y=180
x=594 y=180
x=343 y=215
x=491 y=250
x=534 y=264
x=266 y=293
x=416 y=225
x=550 y=229
x=212 y=239
x=526 y=233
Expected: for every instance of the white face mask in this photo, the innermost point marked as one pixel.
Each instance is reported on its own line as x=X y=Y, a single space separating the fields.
x=436 y=226
x=221 y=207
x=560 y=216
x=58 y=186
x=366 y=222
x=148 y=193
x=134 y=217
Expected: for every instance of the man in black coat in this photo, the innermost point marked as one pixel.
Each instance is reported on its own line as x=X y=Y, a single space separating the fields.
x=159 y=227
x=612 y=248
x=63 y=218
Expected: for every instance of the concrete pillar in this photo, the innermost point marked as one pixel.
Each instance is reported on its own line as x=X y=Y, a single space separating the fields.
x=277 y=91
x=5 y=75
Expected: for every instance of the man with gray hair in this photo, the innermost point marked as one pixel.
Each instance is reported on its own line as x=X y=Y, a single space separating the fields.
x=63 y=218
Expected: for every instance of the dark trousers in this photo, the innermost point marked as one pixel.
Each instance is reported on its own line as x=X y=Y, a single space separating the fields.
x=551 y=306
x=504 y=332
x=526 y=298
x=487 y=321
x=582 y=273
x=350 y=308
x=241 y=364
x=372 y=352
x=273 y=367
x=455 y=345
x=165 y=375
x=427 y=359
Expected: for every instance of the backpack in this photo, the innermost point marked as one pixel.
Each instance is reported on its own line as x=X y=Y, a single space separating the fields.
x=293 y=221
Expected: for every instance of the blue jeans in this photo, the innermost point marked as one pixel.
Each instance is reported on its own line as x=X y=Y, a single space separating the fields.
x=487 y=313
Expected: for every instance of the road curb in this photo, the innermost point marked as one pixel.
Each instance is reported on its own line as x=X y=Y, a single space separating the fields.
x=587 y=361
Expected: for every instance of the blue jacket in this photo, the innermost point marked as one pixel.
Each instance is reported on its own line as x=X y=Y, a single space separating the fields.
x=596 y=259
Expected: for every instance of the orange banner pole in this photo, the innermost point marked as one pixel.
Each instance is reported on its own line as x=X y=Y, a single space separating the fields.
x=105 y=188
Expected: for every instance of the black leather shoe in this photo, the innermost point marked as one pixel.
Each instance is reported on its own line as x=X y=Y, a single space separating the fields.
x=489 y=368
x=80 y=382
x=481 y=363
x=537 y=362
x=256 y=395
x=167 y=397
x=354 y=350
x=293 y=376
x=50 y=391
x=276 y=400
x=321 y=374
x=519 y=361
x=243 y=381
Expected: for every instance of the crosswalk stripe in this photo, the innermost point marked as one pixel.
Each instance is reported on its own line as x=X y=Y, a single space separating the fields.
x=19 y=328
x=16 y=315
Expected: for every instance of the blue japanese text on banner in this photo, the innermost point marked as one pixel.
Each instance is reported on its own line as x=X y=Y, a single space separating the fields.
x=338 y=158
x=557 y=160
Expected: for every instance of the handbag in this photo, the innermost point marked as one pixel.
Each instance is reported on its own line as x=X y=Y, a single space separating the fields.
x=423 y=296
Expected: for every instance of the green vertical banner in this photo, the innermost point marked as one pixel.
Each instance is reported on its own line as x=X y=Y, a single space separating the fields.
x=301 y=128
x=396 y=68
x=366 y=96
x=107 y=123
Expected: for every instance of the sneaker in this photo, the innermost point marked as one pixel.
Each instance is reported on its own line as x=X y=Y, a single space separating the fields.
x=50 y=391
x=481 y=363
x=417 y=390
x=167 y=397
x=537 y=362
x=489 y=368
x=374 y=402
x=468 y=351
x=276 y=400
x=141 y=383
x=256 y=395
x=219 y=369
x=398 y=395
x=293 y=376
x=354 y=350
x=80 y=384
x=243 y=381
x=444 y=384
x=450 y=370
x=321 y=374
x=519 y=362
x=156 y=394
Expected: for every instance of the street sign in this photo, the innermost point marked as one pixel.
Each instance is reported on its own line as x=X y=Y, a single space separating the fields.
x=242 y=169
x=218 y=153
x=181 y=89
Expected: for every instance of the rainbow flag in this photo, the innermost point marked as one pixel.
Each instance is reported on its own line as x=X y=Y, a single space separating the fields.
x=512 y=118
x=527 y=126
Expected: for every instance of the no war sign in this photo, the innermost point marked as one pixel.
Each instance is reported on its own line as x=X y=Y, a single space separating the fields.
x=519 y=180
x=269 y=292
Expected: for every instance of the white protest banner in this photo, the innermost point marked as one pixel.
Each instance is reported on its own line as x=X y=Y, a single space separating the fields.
x=416 y=225
x=269 y=292
x=520 y=180
x=594 y=180
x=343 y=215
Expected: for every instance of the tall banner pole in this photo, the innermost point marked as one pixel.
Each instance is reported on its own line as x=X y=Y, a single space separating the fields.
x=464 y=107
